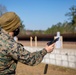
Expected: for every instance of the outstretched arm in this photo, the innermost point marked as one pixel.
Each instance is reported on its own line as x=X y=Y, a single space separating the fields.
x=18 y=53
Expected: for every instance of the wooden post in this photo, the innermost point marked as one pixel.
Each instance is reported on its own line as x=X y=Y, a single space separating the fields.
x=35 y=41
x=31 y=41
x=61 y=39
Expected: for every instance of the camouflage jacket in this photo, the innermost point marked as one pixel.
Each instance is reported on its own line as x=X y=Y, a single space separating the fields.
x=11 y=52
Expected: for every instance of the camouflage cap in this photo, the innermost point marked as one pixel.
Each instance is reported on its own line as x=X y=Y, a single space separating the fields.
x=9 y=21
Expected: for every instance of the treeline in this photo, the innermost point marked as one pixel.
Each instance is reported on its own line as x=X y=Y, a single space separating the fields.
x=63 y=28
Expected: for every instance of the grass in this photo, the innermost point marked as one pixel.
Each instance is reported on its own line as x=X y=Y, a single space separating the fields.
x=39 y=70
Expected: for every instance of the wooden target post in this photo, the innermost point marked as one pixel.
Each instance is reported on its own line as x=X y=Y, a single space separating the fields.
x=31 y=41
x=35 y=41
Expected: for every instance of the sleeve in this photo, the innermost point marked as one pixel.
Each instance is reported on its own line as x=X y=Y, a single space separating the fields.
x=19 y=53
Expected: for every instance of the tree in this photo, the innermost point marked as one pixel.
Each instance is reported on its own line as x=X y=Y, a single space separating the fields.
x=72 y=15
x=72 y=12
x=74 y=23
x=22 y=25
x=2 y=9
x=22 y=28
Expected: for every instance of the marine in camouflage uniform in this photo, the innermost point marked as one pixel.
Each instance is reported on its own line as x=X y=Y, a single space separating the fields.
x=11 y=51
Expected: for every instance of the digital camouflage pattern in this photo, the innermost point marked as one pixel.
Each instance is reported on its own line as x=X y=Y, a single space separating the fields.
x=11 y=52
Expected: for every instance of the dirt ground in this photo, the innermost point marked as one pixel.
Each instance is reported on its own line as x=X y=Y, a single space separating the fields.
x=40 y=69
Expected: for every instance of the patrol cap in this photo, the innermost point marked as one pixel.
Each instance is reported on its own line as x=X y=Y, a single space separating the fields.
x=9 y=21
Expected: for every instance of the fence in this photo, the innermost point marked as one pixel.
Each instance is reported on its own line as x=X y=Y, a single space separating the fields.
x=60 y=57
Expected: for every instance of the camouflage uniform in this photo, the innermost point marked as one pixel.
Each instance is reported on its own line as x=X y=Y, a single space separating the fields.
x=11 y=52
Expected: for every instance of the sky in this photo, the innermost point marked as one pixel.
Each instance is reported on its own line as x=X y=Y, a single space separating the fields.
x=39 y=14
